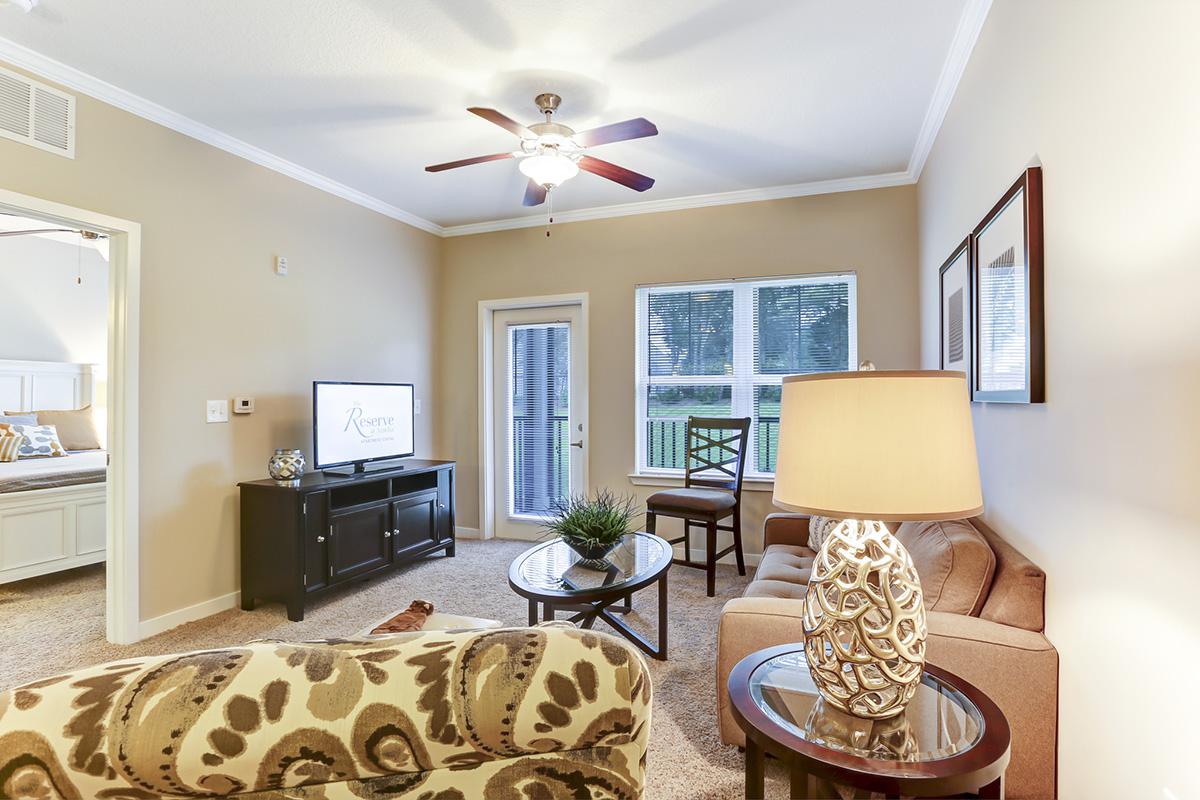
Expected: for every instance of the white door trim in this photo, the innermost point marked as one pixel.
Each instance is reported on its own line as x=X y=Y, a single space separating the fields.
x=487 y=476
x=123 y=610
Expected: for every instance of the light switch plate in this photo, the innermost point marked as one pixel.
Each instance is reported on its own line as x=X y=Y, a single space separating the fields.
x=218 y=411
x=281 y=265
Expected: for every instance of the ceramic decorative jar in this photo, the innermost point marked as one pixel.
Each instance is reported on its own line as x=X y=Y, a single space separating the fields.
x=286 y=466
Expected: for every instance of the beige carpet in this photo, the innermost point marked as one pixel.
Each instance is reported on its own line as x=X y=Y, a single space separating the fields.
x=56 y=623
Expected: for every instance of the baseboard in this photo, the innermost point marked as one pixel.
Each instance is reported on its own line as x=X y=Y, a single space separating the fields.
x=182 y=616
x=752 y=559
x=466 y=533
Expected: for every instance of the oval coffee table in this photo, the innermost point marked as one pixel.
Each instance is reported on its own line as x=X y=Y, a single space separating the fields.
x=554 y=575
x=950 y=739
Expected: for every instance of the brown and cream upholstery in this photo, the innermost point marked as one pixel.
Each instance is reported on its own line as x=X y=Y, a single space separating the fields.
x=985 y=615
x=509 y=713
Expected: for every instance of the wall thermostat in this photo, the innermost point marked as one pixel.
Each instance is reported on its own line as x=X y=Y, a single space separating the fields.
x=243 y=405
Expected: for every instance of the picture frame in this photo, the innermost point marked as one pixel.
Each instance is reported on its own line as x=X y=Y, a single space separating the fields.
x=1008 y=307
x=956 y=321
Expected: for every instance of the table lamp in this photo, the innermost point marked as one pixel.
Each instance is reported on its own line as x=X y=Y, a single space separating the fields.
x=865 y=447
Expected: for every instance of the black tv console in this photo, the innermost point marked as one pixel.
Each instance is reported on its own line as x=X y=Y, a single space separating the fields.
x=302 y=539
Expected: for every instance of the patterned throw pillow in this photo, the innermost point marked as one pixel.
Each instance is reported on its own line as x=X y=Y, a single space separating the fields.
x=10 y=445
x=37 y=441
x=818 y=527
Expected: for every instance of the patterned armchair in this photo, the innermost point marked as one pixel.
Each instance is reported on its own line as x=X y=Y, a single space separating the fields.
x=507 y=713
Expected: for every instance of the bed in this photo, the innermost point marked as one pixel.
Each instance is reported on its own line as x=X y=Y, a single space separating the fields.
x=52 y=510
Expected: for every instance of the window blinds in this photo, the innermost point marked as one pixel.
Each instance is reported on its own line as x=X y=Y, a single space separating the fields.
x=539 y=409
x=722 y=349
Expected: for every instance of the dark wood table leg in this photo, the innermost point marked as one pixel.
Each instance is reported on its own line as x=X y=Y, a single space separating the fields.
x=662 y=617
x=755 y=775
x=799 y=784
x=547 y=612
x=994 y=790
x=533 y=613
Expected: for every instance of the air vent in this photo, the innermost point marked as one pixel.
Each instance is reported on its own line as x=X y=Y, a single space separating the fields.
x=36 y=114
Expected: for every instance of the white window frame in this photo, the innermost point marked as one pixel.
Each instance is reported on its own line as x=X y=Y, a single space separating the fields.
x=743 y=380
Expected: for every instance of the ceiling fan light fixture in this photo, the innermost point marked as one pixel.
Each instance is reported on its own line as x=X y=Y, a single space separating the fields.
x=549 y=169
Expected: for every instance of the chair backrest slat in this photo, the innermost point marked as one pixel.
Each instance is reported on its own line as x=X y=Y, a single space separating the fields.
x=716 y=452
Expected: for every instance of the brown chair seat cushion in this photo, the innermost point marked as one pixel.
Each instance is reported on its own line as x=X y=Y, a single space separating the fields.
x=955 y=562
x=706 y=500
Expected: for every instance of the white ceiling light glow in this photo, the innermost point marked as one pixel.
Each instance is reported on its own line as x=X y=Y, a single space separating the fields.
x=549 y=169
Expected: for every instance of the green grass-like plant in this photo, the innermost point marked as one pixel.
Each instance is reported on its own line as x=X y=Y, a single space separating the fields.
x=595 y=521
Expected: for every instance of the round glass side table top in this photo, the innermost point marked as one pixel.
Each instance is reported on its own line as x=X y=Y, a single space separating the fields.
x=555 y=570
x=938 y=723
x=950 y=738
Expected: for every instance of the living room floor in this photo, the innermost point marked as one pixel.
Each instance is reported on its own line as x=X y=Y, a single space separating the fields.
x=60 y=622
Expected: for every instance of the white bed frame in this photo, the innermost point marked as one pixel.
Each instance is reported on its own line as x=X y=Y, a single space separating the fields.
x=48 y=530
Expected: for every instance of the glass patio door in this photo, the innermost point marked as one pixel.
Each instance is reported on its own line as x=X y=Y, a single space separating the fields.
x=540 y=439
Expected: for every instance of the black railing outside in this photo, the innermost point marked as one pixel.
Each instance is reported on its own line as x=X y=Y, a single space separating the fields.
x=666 y=443
x=766 y=443
x=530 y=493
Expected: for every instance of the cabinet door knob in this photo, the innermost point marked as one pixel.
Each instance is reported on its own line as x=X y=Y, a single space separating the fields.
x=387 y=534
x=320 y=539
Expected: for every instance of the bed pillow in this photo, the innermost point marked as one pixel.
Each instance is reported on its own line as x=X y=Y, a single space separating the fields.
x=19 y=418
x=37 y=441
x=10 y=446
x=76 y=429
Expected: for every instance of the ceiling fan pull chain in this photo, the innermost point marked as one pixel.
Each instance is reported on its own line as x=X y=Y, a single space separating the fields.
x=549 y=209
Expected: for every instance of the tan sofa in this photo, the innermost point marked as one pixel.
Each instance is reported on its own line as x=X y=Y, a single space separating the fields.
x=985 y=605
x=510 y=712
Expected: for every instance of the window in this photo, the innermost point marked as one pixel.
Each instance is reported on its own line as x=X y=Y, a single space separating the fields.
x=722 y=349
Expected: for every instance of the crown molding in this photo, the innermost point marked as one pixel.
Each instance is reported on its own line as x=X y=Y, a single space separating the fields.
x=691 y=201
x=970 y=25
x=57 y=72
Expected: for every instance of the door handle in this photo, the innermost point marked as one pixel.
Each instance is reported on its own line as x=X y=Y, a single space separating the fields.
x=578 y=444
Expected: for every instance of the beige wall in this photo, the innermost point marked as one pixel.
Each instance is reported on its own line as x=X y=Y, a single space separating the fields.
x=872 y=232
x=1099 y=484
x=216 y=321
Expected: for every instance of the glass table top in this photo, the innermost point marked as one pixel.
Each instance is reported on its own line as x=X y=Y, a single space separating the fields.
x=555 y=567
x=938 y=723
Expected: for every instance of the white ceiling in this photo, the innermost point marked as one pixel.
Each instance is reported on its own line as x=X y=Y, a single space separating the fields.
x=360 y=95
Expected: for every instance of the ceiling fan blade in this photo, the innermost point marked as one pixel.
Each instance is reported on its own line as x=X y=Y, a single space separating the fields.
x=617 y=132
x=496 y=118
x=466 y=162
x=535 y=194
x=625 y=177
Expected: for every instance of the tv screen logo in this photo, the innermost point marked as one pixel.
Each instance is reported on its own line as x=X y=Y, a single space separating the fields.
x=369 y=428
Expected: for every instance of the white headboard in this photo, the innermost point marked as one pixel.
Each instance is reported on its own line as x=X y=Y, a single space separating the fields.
x=44 y=385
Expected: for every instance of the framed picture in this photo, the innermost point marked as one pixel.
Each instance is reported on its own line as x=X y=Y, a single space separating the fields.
x=954 y=280
x=1008 y=359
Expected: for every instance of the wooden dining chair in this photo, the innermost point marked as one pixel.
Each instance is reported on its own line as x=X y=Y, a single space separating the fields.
x=716 y=461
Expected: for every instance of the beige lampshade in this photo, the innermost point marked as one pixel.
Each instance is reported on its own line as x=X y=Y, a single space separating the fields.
x=878 y=446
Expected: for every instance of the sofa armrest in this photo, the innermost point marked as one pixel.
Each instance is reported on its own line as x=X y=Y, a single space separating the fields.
x=749 y=624
x=1018 y=669
x=450 y=710
x=785 y=528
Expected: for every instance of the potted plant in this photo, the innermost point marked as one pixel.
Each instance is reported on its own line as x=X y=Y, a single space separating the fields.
x=592 y=526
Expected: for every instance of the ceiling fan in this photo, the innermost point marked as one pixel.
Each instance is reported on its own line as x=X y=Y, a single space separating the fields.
x=551 y=154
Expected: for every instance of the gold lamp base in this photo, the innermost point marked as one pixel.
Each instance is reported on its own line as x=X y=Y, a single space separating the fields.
x=864 y=621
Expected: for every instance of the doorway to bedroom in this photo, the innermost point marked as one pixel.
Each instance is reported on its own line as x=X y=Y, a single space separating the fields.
x=67 y=428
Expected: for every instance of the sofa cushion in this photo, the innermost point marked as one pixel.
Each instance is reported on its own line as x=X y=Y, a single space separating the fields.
x=1018 y=593
x=708 y=500
x=783 y=572
x=790 y=590
x=955 y=563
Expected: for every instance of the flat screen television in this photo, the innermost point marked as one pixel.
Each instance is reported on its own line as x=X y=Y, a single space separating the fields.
x=357 y=423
